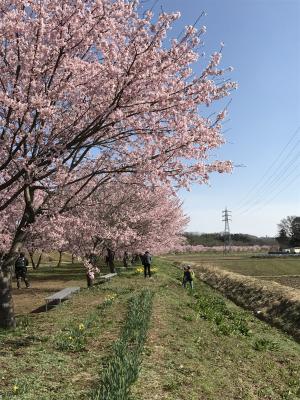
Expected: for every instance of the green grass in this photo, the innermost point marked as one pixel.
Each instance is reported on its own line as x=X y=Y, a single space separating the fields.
x=189 y=357
x=213 y=308
x=285 y=271
x=37 y=363
x=244 y=263
x=200 y=346
x=122 y=368
x=65 y=272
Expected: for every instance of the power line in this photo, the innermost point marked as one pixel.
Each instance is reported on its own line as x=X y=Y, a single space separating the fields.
x=266 y=176
x=281 y=174
x=275 y=196
x=269 y=179
x=269 y=189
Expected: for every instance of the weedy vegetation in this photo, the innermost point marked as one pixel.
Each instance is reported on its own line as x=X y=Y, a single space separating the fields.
x=170 y=343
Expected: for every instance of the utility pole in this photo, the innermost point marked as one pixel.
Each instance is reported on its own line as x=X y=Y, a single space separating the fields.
x=226 y=217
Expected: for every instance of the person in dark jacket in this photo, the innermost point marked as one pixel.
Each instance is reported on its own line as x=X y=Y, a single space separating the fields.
x=110 y=259
x=125 y=259
x=146 y=261
x=21 y=270
x=188 y=277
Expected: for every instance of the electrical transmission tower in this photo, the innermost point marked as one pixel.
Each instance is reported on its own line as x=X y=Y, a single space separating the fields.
x=226 y=217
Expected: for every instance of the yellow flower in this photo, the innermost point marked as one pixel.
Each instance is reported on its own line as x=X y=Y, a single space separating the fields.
x=15 y=388
x=81 y=327
x=70 y=337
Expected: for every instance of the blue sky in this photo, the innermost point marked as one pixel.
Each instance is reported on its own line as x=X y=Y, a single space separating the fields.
x=262 y=43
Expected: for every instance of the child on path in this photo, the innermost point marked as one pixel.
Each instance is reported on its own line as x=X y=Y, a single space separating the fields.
x=188 y=276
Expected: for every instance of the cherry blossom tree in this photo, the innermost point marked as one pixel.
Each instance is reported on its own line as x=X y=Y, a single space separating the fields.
x=124 y=216
x=89 y=91
x=121 y=215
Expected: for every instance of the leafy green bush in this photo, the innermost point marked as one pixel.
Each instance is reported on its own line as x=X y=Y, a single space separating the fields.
x=263 y=344
x=213 y=308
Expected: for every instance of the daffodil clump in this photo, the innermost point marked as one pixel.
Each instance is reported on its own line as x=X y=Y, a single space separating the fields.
x=81 y=327
x=140 y=270
x=20 y=387
x=72 y=338
x=110 y=298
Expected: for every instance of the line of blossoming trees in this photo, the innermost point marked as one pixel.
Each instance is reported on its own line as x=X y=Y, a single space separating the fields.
x=101 y=117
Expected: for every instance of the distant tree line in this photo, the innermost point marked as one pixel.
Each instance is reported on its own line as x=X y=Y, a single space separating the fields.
x=237 y=239
x=289 y=232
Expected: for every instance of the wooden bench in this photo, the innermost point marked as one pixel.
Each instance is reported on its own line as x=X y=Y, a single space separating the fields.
x=61 y=295
x=105 y=278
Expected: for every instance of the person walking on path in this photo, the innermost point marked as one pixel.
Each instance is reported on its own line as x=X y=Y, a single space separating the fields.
x=110 y=260
x=146 y=261
x=188 y=276
x=21 y=270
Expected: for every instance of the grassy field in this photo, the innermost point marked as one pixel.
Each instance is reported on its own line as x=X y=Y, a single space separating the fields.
x=285 y=271
x=200 y=346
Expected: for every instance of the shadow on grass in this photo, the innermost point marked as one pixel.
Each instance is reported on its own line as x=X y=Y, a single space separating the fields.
x=36 y=291
x=63 y=273
x=42 y=308
x=17 y=343
x=58 y=277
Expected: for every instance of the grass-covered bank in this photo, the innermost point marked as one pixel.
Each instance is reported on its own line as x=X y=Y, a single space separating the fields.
x=199 y=347
x=285 y=271
x=202 y=346
x=277 y=304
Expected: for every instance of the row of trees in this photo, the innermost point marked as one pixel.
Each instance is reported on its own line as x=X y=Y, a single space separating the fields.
x=199 y=248
x=237 y=239
x=100 y=123
x=120 y=215
x=289 y=232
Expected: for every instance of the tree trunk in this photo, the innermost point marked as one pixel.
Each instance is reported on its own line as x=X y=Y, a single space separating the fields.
x=60 y=258
x=90 y=281
x=31 y=259
x=35 y=265
x=73 y=258
x=7 y=315
x=39 y=260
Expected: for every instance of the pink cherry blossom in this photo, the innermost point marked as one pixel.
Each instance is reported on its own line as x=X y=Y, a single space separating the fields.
x=89 y=94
